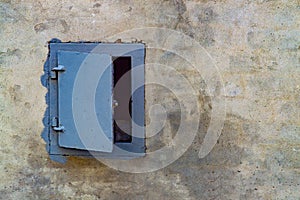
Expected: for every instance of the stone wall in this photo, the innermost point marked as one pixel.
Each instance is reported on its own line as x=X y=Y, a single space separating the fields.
x=255 y=45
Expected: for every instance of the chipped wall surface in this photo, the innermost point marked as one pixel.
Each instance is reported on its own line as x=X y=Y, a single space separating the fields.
x=255 y=45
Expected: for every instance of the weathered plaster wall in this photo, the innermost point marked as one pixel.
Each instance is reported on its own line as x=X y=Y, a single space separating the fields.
x=256 y=45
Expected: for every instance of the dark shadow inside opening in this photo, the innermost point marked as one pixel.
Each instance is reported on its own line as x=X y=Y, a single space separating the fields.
x=122 y=95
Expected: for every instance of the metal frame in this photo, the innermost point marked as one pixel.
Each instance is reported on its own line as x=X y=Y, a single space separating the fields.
x=121 y=150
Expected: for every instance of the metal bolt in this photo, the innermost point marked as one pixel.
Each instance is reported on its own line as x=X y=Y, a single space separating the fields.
x=115 y=103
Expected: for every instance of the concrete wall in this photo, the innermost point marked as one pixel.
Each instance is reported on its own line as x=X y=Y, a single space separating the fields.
x=254 y=43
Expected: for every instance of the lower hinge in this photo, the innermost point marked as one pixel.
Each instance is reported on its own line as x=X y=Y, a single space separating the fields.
x=56 y=126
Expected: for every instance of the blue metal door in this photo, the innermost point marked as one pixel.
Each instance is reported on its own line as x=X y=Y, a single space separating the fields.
x=85 y=101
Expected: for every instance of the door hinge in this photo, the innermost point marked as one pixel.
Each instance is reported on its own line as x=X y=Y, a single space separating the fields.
x=55 y=70
x=56 y=126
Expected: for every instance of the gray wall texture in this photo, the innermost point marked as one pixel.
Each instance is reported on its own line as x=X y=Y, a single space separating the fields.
x=256 y=46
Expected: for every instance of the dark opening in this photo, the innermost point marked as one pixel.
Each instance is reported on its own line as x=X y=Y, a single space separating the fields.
x=122 y=95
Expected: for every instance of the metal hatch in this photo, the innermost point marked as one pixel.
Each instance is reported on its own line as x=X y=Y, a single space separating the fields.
x=82 y=79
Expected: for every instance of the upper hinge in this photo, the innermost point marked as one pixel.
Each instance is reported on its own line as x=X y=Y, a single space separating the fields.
x=55 y=70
